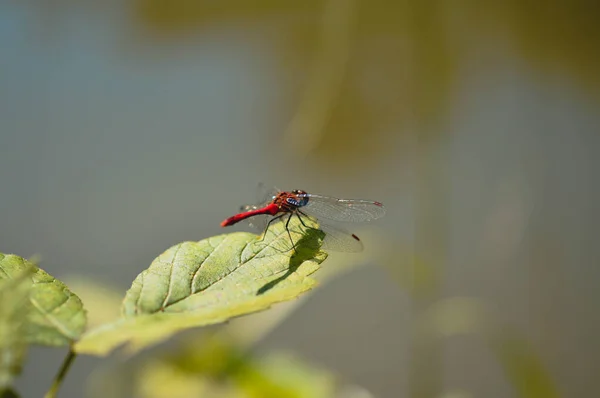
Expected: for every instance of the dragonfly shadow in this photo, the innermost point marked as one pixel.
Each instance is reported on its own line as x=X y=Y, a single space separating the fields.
x=306 y=249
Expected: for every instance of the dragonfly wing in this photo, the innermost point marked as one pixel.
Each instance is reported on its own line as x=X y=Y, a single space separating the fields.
x=264 y=194
x=345 y=210
x=258 y=222
x=339 y=240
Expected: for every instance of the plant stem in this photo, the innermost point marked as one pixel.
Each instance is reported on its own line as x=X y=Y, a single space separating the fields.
x=61 y=374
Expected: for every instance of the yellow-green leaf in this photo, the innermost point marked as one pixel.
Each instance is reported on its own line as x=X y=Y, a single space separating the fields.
x=54 y=315
x=200 y=283
x=14 y=294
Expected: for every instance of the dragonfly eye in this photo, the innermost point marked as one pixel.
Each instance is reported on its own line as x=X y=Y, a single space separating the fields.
x=293 y=202
x=303 y=201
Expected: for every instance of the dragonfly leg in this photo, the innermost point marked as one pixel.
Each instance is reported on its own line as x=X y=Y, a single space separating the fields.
x=269 y=224
x=300 y=218
x=288 y=230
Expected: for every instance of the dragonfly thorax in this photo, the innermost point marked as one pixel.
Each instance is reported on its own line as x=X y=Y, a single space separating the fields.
x=290 y=201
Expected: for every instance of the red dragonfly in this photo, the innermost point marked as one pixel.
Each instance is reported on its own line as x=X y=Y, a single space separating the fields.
x=302 y=204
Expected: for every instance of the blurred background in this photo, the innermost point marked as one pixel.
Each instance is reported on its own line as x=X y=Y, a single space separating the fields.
x=127 y=127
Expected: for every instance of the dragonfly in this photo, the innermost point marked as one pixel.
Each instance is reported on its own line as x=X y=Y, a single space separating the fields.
x=284 y=205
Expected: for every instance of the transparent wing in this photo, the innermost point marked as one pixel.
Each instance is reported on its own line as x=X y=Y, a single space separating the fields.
x=336 y=239
x=258 y=222
x=346 y=210
x=339 y=240
x=265 y=194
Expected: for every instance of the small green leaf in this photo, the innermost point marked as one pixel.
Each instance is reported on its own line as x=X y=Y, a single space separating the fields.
x=14 y=294
x=200 y=283
x=55 y=316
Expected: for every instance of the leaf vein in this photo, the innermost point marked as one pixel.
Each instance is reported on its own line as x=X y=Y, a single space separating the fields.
x=170 y=288
x=56 y=323
x=61 y=304
x=196 y=273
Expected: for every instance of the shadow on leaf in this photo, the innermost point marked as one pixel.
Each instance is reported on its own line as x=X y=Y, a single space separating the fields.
x=307 y=248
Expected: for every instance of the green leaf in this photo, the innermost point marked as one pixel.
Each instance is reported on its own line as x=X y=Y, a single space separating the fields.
x=54 y=315
x=201 y=283
x=14 y=294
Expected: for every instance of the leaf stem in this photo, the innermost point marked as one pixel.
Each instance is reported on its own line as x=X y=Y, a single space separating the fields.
x=61 y=374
